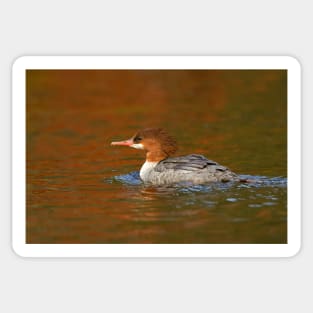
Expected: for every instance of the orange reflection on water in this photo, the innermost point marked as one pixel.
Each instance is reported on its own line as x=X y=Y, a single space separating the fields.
x=73 y=115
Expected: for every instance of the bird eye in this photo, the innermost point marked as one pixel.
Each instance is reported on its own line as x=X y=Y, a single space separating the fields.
x=137 y=139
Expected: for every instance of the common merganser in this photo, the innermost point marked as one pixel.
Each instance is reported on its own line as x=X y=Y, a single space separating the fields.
x=160 y=168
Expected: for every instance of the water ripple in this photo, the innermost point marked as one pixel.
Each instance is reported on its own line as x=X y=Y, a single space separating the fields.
x=133 y=178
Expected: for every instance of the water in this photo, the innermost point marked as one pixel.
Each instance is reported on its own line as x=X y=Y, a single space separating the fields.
x=82 y=190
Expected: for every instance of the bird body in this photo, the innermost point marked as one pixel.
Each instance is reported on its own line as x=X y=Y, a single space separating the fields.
x=161 y=168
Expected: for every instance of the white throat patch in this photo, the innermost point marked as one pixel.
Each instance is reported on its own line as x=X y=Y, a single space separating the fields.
x=137 y=146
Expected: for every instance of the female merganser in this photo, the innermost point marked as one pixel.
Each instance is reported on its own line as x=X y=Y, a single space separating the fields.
x=160 y=168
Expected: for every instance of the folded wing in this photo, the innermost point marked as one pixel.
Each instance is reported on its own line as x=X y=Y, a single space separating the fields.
x=192 y=162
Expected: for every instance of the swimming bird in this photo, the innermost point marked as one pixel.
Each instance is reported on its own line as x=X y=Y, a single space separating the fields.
x=161 y=168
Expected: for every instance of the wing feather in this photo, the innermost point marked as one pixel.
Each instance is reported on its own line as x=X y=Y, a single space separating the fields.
x=192 y=162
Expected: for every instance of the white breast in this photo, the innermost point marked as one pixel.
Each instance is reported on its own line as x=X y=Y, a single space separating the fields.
x=146 y=170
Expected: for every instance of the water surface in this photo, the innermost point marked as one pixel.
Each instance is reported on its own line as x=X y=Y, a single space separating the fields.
x=82 y=190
